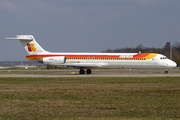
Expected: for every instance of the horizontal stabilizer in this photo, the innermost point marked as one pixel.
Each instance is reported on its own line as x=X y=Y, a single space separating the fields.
x=22 y=37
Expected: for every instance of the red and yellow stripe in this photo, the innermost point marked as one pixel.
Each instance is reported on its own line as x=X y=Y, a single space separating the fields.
x=145 y=56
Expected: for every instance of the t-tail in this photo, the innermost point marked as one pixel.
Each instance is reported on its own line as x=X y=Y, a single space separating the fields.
x=30 y=44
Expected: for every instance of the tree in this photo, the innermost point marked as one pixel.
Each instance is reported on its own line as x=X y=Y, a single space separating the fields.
x=140 y=48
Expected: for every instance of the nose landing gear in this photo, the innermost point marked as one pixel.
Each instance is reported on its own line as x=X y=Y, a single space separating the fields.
x=166 y=71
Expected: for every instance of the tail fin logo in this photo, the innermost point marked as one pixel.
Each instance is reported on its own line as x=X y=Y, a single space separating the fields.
x=31 y=47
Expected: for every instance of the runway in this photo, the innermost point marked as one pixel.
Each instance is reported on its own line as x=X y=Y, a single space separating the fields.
x=92 y=75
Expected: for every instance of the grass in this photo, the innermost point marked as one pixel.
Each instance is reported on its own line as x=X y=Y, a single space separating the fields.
x=90 y=98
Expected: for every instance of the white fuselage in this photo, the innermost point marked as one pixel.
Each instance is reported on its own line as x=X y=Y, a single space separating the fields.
x=111 y=60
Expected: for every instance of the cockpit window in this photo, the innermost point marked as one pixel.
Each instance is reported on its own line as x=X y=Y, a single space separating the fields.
x=163 y=58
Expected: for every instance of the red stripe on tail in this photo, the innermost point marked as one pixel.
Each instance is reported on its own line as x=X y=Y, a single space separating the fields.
x=29 y=47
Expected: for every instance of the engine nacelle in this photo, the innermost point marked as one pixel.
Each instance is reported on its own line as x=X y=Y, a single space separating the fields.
x=53 y=60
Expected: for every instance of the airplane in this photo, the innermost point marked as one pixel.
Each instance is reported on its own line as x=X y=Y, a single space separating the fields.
x=93 y=60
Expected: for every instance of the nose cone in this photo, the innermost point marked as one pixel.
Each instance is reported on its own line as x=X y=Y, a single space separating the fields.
x=173 y=64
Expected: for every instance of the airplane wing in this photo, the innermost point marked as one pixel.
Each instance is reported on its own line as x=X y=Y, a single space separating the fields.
x=82 y=65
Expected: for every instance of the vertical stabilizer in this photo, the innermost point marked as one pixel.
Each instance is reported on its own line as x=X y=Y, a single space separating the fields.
x=30 y=44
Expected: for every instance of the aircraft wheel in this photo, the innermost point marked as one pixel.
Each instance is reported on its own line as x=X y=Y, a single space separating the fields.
x=166 y=72
x=81 y=71
x=88 y=71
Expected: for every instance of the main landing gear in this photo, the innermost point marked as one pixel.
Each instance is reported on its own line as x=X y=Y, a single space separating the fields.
x=88 y=71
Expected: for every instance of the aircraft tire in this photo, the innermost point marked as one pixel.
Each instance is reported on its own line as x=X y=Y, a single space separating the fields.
x=166 y=72
x=88 y=71
x=81 y=71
